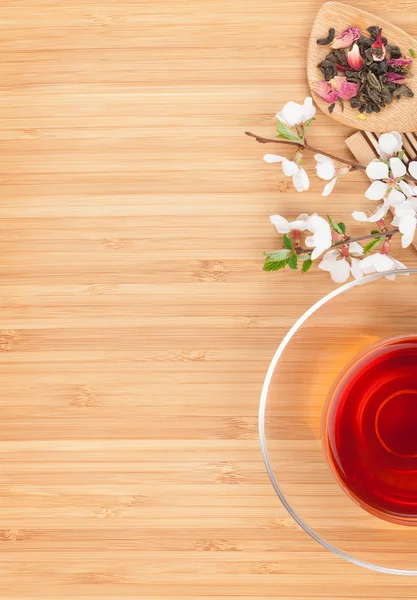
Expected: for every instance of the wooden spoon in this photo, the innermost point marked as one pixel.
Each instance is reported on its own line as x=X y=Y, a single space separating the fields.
x=400 y=115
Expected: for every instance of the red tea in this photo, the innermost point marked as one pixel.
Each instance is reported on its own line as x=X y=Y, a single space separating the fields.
x=371 y=430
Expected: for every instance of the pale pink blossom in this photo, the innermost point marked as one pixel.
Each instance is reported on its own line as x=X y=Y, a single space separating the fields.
x=341 y=262
x=321 y=239
x=326 y=169
x=282 y=225
x=294 y=114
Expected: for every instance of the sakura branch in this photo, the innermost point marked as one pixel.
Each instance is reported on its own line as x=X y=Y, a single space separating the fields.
x=343 y=255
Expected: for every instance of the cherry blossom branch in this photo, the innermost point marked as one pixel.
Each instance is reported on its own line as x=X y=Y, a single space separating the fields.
x=347 y=239
x=306 y=146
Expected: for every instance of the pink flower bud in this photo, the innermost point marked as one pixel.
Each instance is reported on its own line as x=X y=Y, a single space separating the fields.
x=345 y=89
x=394 y=77
x=325 y=91
x=354 y=58
x=347 y=37
x=399 y=62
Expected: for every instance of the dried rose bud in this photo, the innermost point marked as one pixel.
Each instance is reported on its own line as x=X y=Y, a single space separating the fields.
x=325 y=91
x=354 y=58
x=394 y=77
x=379 y=47
x=345 y=89
x=347 y=37
x=399 y=62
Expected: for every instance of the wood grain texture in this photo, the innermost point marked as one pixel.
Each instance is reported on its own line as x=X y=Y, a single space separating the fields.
x=136 y=322
x=400 y=115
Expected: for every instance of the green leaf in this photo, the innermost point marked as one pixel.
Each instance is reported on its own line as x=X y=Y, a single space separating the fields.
x=370 y=245
x=342 y=227
x=278 y=255
x=293 y=262
x=306 y=265
x=305 y=256
x=286 y=134
x=401 y=154
x=274 y=265
x=412 y=53
x=287 y=242
x=334 y=225
x=308 y=124
x=375 y=231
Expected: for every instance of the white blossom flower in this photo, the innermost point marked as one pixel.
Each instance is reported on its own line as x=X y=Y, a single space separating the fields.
x=406 y=221
x=326 y=169
x=380 y=262
x=321 y=239
x=291 y=169
x=389 y=144
x=284 y=226
x=340 y=266
x=296 y=114
x=380 y=213
x=387 y=179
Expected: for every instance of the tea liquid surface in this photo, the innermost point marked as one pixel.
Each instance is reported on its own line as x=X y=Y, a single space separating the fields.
x=370 y=429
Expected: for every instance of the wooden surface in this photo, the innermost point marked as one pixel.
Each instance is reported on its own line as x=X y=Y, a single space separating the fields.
x=400 y=115
x=137 y=324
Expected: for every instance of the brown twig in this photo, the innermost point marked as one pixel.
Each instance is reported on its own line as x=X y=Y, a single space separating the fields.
x=306 y=146
x=348 y=240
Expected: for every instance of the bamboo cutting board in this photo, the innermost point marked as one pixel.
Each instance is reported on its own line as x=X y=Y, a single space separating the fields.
x=136 y=321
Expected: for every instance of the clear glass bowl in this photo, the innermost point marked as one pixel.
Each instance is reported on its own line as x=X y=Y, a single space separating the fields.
x=308 y=361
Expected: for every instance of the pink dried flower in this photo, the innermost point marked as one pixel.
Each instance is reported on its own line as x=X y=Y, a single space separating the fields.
x=354 y=58
x=399 y=62
x=342 y=68
x=379 y=46
x=325 y=91
x=345 y=89
x=394 y=77
x=347 y=37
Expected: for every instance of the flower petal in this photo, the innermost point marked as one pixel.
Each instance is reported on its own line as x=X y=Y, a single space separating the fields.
x=389 y=144
x=281 y=224
x=376 y=169
x=398 y=168
x=407 y=227
x=355 y=248
x=356 y=268
x=300 y=180
x=380 y=212
x=309 y=110
x=347 y=37
x=316 y=223
x=328 y=260
x=395 y=197
x=325 y=169
x=376 y=191
x=354 y=58
x=290 y=167
x=274 y=158
x=340 y=271
x=292 y=113
x=299 y=225
x=328 y=188
x=325 y=91
x=407 y=189
x=406 y=209
x=412 y=168
x=399 y=62
x=382 y=262
x=359 y=216
x=345 y=89
x=322 y=158
x=392 y=77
